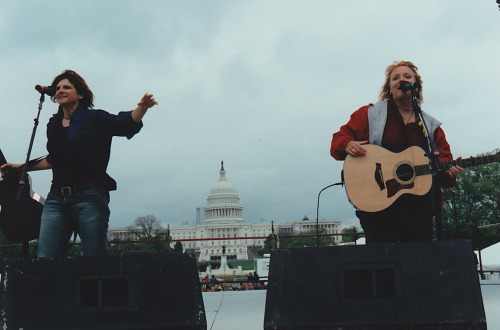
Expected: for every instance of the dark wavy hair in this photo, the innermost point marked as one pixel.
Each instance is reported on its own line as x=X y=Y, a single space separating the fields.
x=386 y=88
x=81 y=87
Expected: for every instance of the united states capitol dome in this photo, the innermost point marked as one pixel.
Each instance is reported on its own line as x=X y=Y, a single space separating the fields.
x=223 y=202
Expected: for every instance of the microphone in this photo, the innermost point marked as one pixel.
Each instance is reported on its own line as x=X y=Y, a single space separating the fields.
x=49 y=90
x=408 y=86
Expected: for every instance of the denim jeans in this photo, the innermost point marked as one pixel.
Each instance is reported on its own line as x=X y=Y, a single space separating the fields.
x=87 y=212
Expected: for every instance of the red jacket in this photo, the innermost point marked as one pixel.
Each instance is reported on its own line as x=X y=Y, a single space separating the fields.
x=357 y=130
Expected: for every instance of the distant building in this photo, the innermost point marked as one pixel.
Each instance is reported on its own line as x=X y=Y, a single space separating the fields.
x=224 y=226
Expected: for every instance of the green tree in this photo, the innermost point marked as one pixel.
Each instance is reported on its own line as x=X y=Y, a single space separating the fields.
x=9 y=249
x=269 y=244
x=307 y=239
x=178 y=247
x=472 y=206
x=157 y=246
x=149 y=239
x=354 y=231
x=118 y=246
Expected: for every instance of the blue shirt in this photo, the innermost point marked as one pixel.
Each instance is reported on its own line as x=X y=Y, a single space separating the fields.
x=80 y=153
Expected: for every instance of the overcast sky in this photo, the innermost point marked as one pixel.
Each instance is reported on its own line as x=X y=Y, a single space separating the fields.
x=261 y=85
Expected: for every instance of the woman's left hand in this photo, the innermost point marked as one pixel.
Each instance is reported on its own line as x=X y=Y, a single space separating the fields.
x=144 y=104
x=147 y=101
x=454 y=171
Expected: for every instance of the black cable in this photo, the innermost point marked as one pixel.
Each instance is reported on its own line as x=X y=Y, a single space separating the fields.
x=317 y=206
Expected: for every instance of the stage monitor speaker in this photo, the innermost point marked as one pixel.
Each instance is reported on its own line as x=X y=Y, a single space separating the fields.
x=131 y=291
x=423 y=285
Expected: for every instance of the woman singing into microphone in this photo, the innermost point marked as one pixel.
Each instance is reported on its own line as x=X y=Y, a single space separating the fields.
x=79 y=144
x=392 y=124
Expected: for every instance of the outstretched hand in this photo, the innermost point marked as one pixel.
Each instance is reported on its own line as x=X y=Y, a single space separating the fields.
x=147 y=101
x=144 y=104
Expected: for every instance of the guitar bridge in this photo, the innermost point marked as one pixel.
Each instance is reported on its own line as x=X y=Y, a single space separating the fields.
x=379 y=178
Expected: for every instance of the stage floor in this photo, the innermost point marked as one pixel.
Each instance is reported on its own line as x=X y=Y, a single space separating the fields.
x=229 y=310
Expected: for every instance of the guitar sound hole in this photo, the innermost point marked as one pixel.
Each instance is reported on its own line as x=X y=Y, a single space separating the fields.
x=405 y=172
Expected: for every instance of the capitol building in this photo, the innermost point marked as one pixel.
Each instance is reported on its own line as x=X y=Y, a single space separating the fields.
x=220 y=224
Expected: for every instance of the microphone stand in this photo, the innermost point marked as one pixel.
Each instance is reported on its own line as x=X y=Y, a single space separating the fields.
x=432 y=153
x=24 y=179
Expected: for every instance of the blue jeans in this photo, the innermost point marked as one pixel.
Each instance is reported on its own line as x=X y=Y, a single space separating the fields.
x=87 y=212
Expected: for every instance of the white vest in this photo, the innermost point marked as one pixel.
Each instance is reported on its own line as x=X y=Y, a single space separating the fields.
x=377 y=117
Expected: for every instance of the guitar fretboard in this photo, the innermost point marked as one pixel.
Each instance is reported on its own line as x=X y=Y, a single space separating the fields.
x=467 y=162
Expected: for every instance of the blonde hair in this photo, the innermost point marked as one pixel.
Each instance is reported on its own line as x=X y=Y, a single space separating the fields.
x=385 y=93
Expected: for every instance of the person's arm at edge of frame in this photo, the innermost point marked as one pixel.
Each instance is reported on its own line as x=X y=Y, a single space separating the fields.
x=42 y=164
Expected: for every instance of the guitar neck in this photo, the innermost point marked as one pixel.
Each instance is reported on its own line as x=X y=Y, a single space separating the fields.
x=467 y=162
x=472 y=161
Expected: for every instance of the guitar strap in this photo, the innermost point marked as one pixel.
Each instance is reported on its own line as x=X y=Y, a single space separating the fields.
x=36 y=160
x=18 y=170
x=423 y=134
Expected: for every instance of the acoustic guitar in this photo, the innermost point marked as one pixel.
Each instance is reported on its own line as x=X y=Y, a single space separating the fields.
x=375 y=181
x=19 y=219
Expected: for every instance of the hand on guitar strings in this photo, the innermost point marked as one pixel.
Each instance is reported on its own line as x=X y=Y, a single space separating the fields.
x=355 y=149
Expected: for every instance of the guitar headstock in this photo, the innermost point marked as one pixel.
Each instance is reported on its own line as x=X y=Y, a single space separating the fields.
x=494 y=158
x=2 y=158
